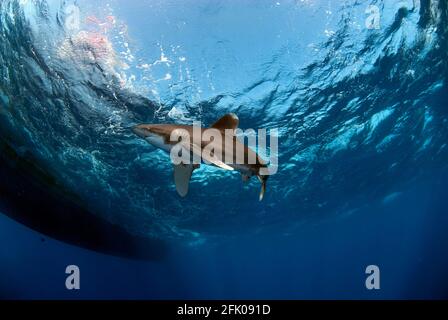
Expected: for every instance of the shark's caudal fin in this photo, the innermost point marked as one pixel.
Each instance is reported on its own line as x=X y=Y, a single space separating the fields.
x=229 y=121
x=263 y=190
x=182 y=176
x=263 y=180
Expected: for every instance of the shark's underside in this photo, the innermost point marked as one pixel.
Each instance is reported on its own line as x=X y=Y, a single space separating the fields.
x=224 y=150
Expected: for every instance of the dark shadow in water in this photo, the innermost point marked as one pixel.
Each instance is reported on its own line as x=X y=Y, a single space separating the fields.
x=32 y=197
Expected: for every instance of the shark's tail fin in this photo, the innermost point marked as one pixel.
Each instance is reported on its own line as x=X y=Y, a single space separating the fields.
x=263 y=180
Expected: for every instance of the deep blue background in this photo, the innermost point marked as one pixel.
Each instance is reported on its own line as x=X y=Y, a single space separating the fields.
x=406 y=237
x=363 y=121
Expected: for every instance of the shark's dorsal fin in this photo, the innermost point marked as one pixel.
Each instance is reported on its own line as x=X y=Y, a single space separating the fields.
x=229 y=121
x=182 y=176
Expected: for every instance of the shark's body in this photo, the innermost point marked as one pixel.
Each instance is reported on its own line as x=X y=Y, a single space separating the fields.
x=234 y=155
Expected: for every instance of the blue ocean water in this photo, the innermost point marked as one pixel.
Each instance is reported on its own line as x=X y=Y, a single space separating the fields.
x=357 y=90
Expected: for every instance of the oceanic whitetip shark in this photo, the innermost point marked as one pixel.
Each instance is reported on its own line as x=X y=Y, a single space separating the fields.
x=214 y=152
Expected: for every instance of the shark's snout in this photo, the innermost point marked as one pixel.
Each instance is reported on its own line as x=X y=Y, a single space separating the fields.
x=141 y=131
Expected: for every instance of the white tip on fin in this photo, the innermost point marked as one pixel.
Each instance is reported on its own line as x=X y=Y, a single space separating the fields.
x=198 y=151
x=182 y=176
x=218 y=163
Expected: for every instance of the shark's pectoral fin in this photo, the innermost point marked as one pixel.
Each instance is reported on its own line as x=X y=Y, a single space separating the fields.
x=217 y=162
x=206 y=157
x=182 y=176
